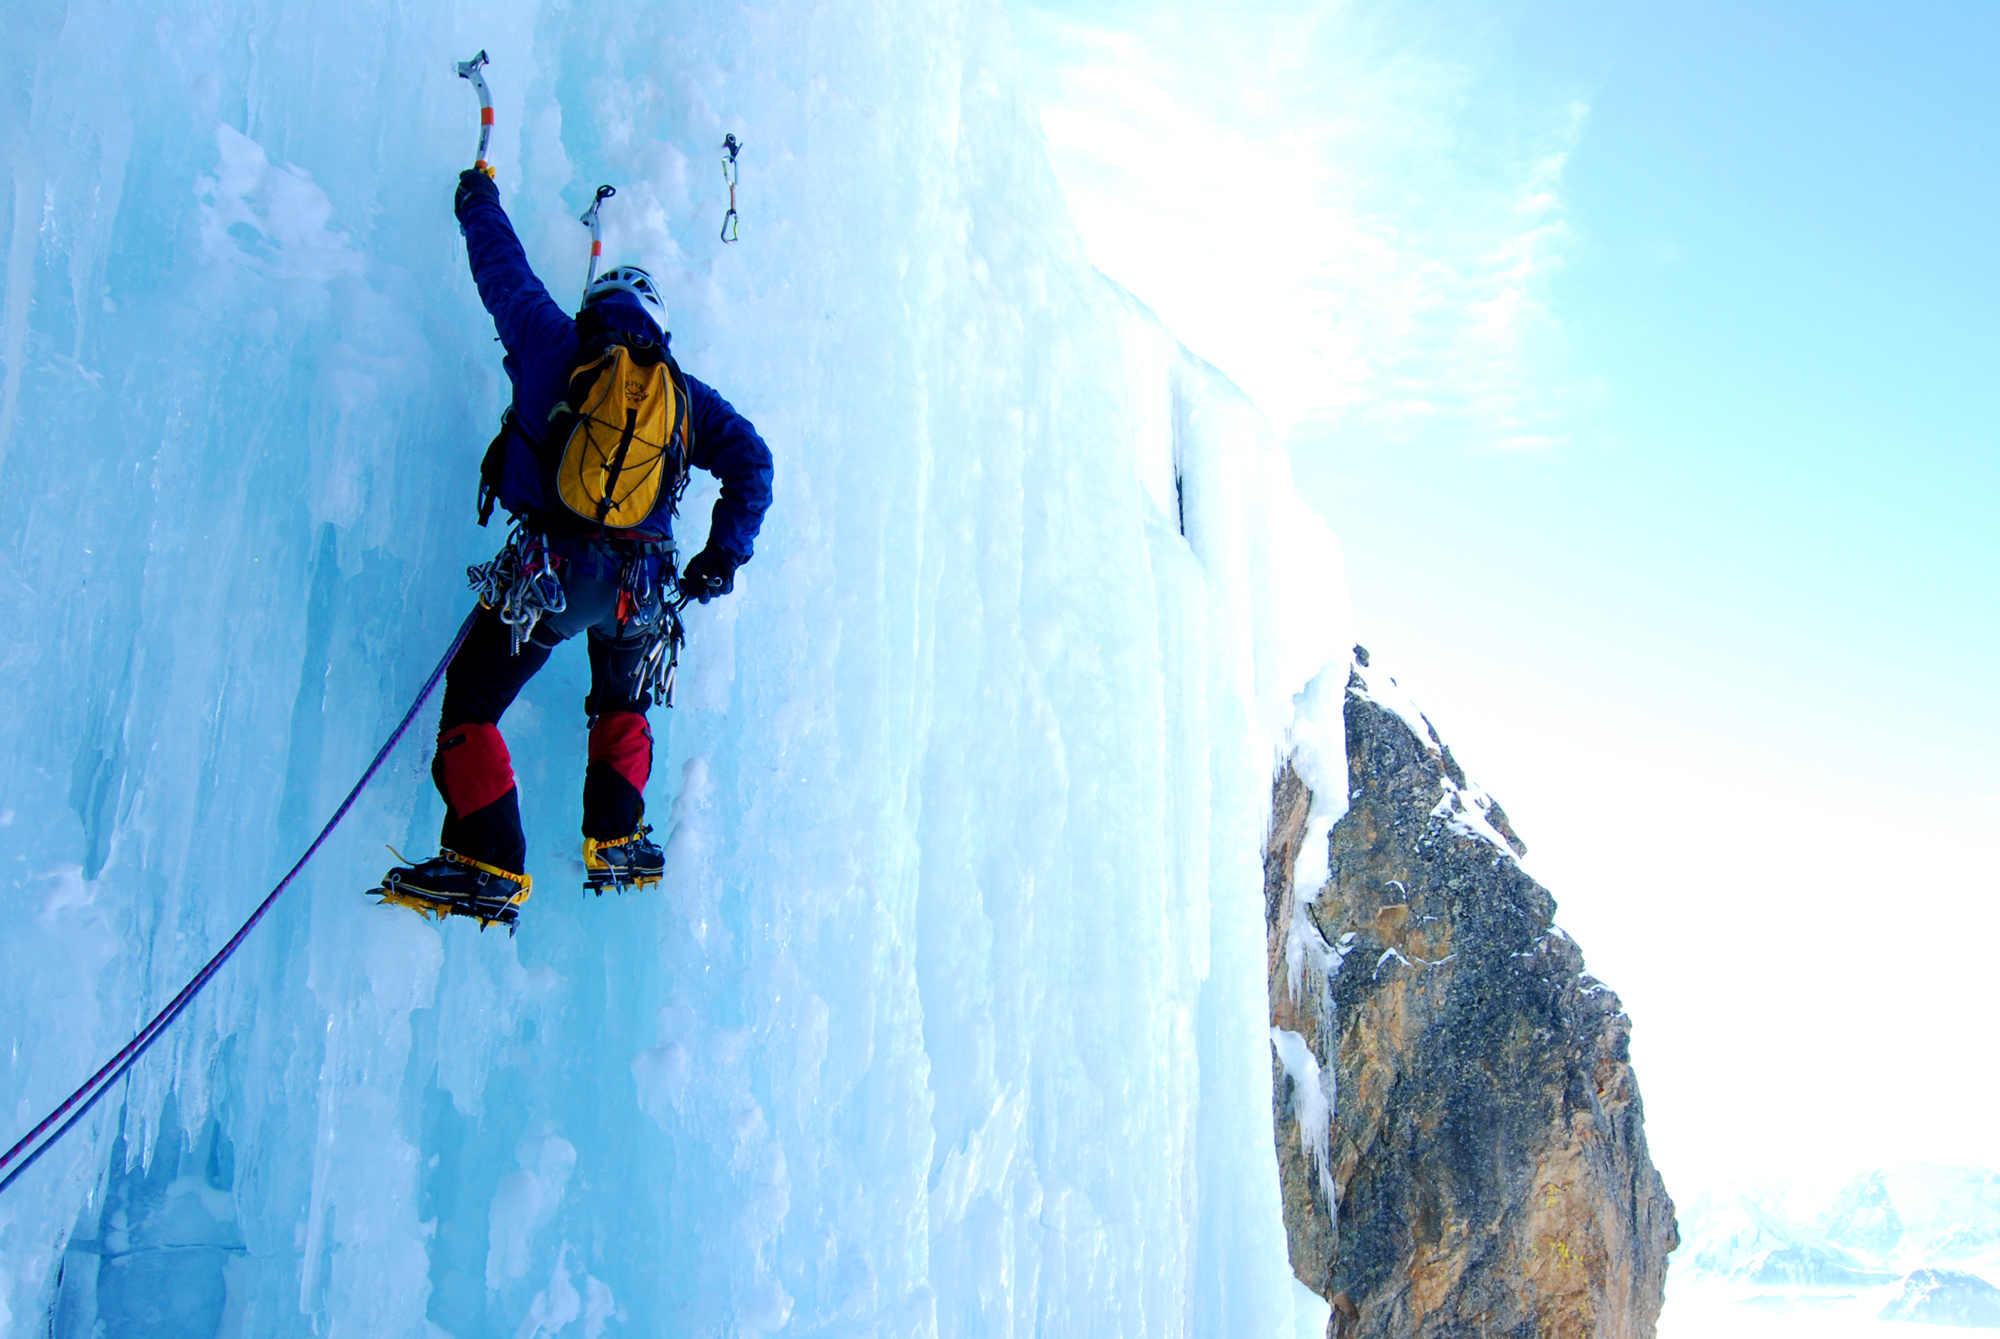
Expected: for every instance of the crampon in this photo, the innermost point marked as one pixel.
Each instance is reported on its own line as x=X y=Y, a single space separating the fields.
x=621 y=863
x=456 y=885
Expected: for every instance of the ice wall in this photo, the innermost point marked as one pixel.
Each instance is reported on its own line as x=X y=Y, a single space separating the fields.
x=950 y=1017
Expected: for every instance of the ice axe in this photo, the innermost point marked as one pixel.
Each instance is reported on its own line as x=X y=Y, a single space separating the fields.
x=589 y=220
x=469 y=69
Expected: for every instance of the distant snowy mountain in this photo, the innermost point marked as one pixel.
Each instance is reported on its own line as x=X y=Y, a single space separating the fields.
x=1918 y=1215
x=1945 y=1297
x=1916 y=1243
x=1886 y=1222
x=1739 y=1240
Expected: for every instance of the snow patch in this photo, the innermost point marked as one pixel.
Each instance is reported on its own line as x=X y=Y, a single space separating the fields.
x=269 y=218
x=527 y=1198
x=1317 y=743
x=1312 y=1104
x=1373 y=683
x=1464 y=811
x=980 y=1165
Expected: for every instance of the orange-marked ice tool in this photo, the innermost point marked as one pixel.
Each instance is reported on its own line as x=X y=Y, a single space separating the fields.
x=589 y=220
x=469 y=69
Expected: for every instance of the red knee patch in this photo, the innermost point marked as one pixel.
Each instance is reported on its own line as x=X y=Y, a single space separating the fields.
x=473 y=768
x=623 y=742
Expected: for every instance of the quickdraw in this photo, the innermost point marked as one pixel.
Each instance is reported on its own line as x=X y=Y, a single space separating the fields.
x=730 y=146
x=649 y=606
x=469 y=69
x=520 y=584
x=662 y=659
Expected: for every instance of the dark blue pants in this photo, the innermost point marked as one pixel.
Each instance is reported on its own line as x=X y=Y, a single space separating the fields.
x=472 y=768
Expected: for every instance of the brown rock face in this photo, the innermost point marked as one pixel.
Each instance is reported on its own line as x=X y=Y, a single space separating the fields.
x=1460 y=1136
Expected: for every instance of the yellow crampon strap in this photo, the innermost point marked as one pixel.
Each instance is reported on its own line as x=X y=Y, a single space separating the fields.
x=525 y=881
x=591 y=846
x=592 y=861
x=440 y=907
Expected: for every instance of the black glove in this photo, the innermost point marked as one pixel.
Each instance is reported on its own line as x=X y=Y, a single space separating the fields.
x=710 y=573
x=473 y=185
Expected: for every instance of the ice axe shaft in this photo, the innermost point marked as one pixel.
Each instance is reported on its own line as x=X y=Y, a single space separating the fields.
x=589 y=220
x=469 y=69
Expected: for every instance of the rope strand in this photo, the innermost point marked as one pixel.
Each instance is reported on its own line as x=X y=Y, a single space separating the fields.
x=100 y=1082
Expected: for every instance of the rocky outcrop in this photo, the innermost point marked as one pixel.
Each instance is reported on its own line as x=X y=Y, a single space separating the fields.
x=1459 y=1132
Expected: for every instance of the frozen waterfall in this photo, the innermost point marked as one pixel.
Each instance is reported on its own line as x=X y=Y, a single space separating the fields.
x=949 y=1018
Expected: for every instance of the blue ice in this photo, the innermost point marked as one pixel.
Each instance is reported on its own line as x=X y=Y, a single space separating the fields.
x=949 y=1018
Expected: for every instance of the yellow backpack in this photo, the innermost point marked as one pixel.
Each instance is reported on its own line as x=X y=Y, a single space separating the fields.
x=628 y=443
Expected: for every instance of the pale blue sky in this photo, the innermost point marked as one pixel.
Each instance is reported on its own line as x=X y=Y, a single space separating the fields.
x=1781 y=278
x=1646 y=360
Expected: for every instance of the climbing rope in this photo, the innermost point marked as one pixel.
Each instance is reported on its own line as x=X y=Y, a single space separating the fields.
x=83 y=1099
x=730 y=146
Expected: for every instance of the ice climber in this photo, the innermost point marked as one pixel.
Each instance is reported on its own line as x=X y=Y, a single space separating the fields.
x=590 y=461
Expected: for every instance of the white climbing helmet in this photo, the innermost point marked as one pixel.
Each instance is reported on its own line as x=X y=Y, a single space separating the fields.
x=629 y=279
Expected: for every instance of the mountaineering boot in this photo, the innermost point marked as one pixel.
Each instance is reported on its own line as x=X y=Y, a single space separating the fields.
x=455 y=885
x=616 y=854
x=621 y=760
x=482 y=810
x=621 y=863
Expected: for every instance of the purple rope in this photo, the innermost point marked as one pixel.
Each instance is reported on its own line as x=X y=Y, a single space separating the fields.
x=100 y=1082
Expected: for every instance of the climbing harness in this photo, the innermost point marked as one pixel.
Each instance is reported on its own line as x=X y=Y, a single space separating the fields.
x=469 y=69
x=730 y=146
x=19 y=1158
x=520 y=584
x=589 y=220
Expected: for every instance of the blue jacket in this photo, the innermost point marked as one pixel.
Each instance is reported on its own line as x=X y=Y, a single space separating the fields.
x=542 y=347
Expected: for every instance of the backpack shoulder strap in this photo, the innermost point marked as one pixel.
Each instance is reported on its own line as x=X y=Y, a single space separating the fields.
x=686 y=426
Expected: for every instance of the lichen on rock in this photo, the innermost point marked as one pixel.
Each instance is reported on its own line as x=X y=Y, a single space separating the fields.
x=1474 y=1159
